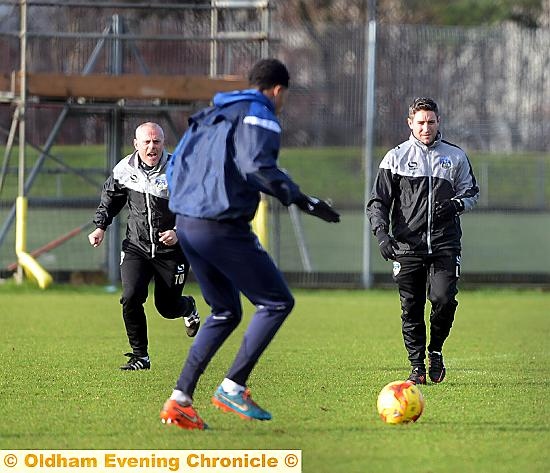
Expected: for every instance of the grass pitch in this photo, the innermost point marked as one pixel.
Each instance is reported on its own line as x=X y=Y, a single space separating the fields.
x=60 y=386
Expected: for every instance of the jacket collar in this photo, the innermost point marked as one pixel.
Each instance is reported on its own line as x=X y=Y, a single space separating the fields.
x=419 y=143
x=134 y=160
x=222 y=99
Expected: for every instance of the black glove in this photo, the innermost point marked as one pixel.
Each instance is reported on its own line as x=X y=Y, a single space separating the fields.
x=387 y=245
x=318 y=208
x=448 y=209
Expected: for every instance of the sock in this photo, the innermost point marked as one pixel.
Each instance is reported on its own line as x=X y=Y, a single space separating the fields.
x=181 y=398
x=231 y=387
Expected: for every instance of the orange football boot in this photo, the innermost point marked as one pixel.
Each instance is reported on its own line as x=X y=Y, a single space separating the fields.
x=185 y=417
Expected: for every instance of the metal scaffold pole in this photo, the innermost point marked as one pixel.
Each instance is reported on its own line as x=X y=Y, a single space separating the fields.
x=21 y=114
x=114 y=151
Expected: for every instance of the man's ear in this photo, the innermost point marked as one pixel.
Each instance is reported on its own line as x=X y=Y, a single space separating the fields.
x=277 y=90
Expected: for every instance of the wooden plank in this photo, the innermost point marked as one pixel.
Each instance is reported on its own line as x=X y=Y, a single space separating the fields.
x=5 y=82
x=128 y=86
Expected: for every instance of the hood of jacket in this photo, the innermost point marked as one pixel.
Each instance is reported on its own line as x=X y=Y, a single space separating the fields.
x=222 y=99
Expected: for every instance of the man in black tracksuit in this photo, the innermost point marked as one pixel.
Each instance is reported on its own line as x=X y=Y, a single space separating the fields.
x=150 y=248
x=422 y=187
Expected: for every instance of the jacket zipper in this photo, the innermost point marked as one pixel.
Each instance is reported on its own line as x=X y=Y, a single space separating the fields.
x=430 y=192
x=150 y=219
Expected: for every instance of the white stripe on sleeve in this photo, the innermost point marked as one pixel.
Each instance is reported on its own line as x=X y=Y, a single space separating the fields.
x=262 y=122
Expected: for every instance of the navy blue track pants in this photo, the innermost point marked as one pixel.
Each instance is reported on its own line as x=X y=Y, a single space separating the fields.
x=227 y=259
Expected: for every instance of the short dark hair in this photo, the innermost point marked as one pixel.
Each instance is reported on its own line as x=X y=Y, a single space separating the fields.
x=267 y=73
x=423 y=103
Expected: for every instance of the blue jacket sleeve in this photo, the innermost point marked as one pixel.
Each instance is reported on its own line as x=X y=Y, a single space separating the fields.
x=256 y=153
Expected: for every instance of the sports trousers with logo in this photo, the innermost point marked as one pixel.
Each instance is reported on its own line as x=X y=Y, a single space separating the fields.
x=169 y=271
x=227 y=259
x=436 y=277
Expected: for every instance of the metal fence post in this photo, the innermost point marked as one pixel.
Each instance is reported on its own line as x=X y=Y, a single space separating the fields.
x=370 y=83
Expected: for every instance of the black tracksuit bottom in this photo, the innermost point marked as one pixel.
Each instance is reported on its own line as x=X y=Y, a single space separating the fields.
x=137 y=269
x=436 y=277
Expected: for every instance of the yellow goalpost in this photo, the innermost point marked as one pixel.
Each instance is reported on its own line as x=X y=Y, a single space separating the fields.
x=259 y=223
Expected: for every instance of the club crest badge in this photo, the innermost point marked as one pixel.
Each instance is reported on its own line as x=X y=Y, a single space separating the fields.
x=161 y=184
x=396 y=268
x=445 y=162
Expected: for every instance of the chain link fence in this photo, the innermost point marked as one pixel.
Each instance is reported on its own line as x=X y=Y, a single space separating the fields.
x=492 y=85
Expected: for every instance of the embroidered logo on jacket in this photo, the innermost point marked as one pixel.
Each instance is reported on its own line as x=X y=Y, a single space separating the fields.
x=445 y=162
x=160 y=183
x=396 y=268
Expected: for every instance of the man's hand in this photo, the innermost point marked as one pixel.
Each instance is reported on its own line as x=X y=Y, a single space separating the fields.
x=387 y=245
x=318 y=208
x=96 y=237
x=448 y=209
x=169 y=237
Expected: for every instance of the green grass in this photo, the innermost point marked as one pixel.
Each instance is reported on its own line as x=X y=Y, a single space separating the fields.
x=61 y=389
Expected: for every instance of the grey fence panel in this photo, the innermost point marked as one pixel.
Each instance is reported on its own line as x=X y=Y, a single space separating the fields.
x=492 y=85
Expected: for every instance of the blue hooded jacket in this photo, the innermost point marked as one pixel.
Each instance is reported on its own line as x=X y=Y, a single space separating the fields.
x=227 y=156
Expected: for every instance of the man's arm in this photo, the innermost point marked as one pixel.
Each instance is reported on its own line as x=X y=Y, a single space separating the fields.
x=380 y=202
x=467 y=190
x=256 y=154
x=378 y=210
x=113 y=200
x=263 y=173
x=467 y=193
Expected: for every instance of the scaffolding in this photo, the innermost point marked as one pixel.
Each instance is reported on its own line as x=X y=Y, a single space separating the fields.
x=114 y=92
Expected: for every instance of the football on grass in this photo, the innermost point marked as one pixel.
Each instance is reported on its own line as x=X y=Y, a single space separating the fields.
x=400 y=402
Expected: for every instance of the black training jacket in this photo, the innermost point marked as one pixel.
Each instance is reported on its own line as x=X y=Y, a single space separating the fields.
x=146 y=193
x=411 y=178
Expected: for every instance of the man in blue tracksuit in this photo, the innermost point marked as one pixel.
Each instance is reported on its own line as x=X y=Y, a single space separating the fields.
x=224 y=160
